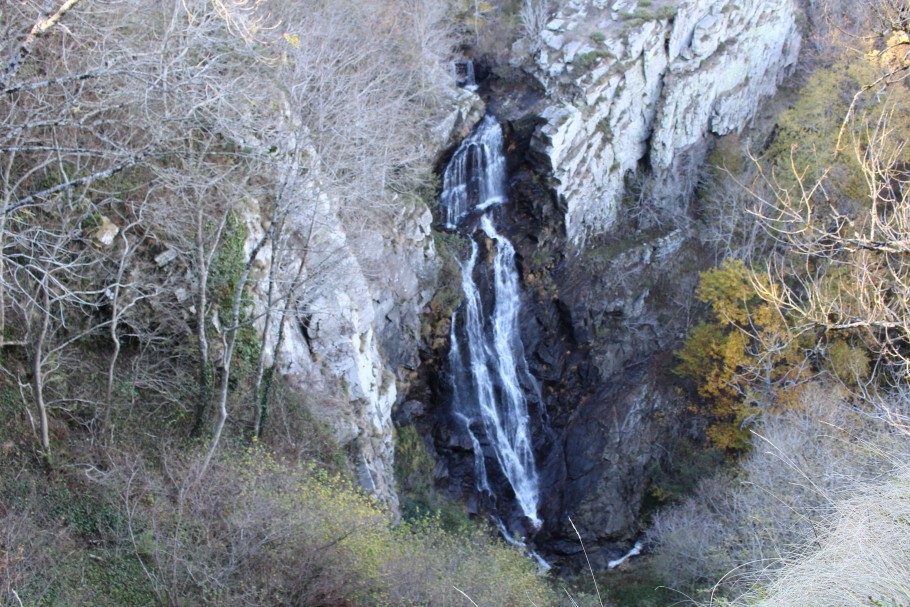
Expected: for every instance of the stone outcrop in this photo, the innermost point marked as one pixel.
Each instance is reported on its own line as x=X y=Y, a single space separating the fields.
x=635 y=83
x=355 y=334
x=631 y=90
x=351 y=343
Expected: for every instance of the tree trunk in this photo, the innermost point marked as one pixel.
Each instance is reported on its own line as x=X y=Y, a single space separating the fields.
x=204 y=371
x=38 y=370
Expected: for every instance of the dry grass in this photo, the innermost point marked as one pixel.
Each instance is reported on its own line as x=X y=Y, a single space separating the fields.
x=818 y=510
x=862 y=559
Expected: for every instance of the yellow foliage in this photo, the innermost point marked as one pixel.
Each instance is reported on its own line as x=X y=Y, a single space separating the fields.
x=411 y=564
x=292 y=39
x=729 y=291
x=809 y=132
x=849 y=363
x=746 y=343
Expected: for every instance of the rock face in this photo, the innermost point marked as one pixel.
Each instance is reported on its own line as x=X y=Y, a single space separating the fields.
x=634 y=94
x=635 y=85
x=354 y=334
x=351 y=342
x=615 y=90
x=633 y=91
x=618 y=98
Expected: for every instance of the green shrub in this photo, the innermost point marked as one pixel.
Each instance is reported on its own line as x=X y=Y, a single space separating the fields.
x=306 y=536
x=587 y=60
x=414 y=472
x=448 y=295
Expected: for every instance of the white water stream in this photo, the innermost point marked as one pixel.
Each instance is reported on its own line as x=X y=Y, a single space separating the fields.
x=486 y=355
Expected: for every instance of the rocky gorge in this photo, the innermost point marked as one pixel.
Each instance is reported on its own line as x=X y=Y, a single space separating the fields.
x=607 y=116
x=438 y=302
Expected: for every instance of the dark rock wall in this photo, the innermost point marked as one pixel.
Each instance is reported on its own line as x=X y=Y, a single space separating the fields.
x=599 y=327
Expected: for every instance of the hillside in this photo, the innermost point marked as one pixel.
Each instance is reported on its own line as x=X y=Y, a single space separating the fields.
x=446 y=302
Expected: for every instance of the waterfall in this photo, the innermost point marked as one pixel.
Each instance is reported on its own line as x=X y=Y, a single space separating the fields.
x=476 y=173
x=464 y=75
x=486 y=356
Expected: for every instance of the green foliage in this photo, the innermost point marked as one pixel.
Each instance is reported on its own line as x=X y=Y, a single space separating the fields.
x=305 y=536
x=83 y=511
x=413 y=464
x=687 y=465
x=328 y=544
x=644 y=13
x=226 y=271
x=448 y=295
x=123 y=184
x=10 y=411
x=473 y=14
x=728 y=155
x=809 y=132
x=638 y=586
x=227 y=265
x=598 y=37
x=587 y=60
x=312 y=439
x=103 y=578
x=603 y=127
x=415 y=473
x=667 y=12
x=60 y=542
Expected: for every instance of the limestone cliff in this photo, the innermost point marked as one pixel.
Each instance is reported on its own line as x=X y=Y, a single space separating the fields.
x=633 y=83
x=352 y=340
x=634 y=93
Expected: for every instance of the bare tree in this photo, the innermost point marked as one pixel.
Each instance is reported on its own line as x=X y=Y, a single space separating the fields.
x=48 y=20
x=171 y=120
x=265 y=369
x=230 y=341
x=124 y=295
x=51 y=276
x=838 y=268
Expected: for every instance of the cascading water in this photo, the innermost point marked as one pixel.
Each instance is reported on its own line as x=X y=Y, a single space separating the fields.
x=474 y=179
x=486 y=357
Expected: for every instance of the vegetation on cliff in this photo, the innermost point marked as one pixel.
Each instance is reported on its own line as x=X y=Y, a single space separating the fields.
x=802 y=366
x=152 y=157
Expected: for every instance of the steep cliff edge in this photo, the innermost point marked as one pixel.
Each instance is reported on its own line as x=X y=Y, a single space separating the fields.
x=635 y=94
x=635 y=85
x=351 y=344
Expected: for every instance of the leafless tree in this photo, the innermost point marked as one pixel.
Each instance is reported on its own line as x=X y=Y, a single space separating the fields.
x=48 y=20
x=51 y=279
x=265 y=367
x=838 y=268
x=172 y=120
